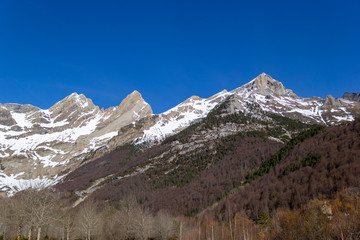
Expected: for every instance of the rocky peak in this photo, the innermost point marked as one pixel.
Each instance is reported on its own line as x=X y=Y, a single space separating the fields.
x=73 y=99
x=132 y=108
x=331 y=101
x=133 y=101
x=351 y=96
x=264 y=84
x=71 y=106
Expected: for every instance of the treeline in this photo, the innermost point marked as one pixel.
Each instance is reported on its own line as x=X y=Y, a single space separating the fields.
x=43 y=214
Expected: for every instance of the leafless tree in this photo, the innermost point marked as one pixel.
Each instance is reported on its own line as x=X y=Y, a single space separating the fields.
x=164 y=226
x=66 y=225
x=110 y=224
x=143 y=224
x=127 y=210
x=21 y=215
x=42 y=209
x=88 y=219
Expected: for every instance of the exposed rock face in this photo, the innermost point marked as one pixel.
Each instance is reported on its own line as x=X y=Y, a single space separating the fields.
x=264 y=85
x=352 y=96
x=131 y=108
x=73 y=108
x=5 y=117
x=331 y=101
x=18 y=108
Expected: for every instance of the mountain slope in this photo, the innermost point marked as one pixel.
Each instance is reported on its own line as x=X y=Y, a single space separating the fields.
x=320 y=166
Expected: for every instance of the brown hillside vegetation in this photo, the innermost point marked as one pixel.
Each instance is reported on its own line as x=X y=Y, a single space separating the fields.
x=211 y=185
x=320 y=166
x=118 y=161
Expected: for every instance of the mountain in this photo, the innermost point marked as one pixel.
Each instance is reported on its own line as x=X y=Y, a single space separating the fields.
x=39 y=145
x=54 y=145
x=263 y=91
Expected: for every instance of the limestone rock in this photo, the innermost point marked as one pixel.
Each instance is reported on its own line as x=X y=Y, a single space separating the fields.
x=18 y=108
x=331 y=101
x=264 y=85
x=5 y=117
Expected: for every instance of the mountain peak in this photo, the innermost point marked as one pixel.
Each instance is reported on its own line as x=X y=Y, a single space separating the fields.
x=74 y=99
x=73 y=102
x=132 y=100
x=134 y=96
x=331 y=101
x=135 y=93
x=266 y=83
x=263 y=84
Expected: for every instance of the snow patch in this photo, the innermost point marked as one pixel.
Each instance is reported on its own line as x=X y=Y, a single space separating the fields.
x=12 y=184
x=21 y=120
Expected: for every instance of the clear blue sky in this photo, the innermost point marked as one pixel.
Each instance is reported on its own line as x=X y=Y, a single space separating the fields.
x=170 y=50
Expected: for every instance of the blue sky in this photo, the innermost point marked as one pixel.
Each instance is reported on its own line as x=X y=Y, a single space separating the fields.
x=170 y=50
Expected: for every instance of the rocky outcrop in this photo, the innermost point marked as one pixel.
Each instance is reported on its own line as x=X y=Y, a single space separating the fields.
x=352 y=96
x=5 y=117
x=331 y=101
x=265 y=85
x=18 y=108
x=133 y=107
x=73 y=108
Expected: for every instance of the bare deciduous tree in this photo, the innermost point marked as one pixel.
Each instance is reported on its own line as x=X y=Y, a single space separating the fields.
x=164 y=226
x=88 y=219
x=143 y=224
x=127 y=210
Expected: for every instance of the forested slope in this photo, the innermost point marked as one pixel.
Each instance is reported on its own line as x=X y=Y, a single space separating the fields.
x=321 y=165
